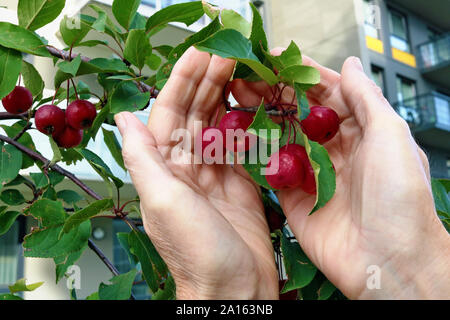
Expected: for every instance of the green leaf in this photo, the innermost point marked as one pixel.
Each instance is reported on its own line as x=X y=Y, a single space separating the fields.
x=9 y=70
x=104 y=24
x=70 y=156
x=153 y=61
x=290 y=57
x=73 y=30
x=124 y=11
x=64 y=262
x=39 y=179
x=99 y=120
x=299 y=268
x=109 y=65
x=262 y=125
x=45 y=243
x=324 y=172
x=87 y=213
x=164 y=50
x=153 y=267
x=127 y=97
x=50 y=194
x=32 y=80
x=258 y=34
x=10 y=163
x=12 y=197
x=69 y=196
x=137 y=48
x=211 y=10
x=446 y=184
x=91 y=43
x=70 y=67
x=15 y=37
x=26 y=140
x=4 y=297
x=168 y=292
x=138 y=22
x=48 y=212
x=122 y=237
x=100 y=166
x=186 y=13
x=94 y=296
x=21 y=286
x=84 y=68
x=207 y=31
x=90 y=20
x=233 y=20
x=301 y=75
x=7 y=219
x=326 y=290
x=114 y=147
x=97 y=65
x=255 y=169
x=441 y=198
x=303 y=109
x=34 y=14
x=17 y=181
x=55 y=178
x=163 y=73
x=229 y=43
x=120 y=287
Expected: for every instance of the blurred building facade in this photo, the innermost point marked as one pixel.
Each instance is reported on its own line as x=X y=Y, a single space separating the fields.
x=404 y=46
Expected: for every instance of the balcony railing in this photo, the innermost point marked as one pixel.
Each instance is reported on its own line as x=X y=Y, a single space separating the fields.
x=435 y=53
x=426 y=112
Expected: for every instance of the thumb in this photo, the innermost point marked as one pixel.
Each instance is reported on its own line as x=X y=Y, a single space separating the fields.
x=141 y=155
x=363 y=97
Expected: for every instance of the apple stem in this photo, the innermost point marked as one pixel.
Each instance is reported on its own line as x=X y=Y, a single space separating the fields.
x=54 y=96
x=74 y=88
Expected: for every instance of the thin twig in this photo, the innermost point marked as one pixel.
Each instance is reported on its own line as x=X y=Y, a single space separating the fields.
x=21 y=133
x=36 y=156
x=106 y=261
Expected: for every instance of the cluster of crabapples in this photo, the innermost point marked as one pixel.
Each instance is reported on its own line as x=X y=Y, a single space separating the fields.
x=294 y=166
x=65 y=126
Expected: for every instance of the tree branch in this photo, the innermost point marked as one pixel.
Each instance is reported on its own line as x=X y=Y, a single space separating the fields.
x=36 y=156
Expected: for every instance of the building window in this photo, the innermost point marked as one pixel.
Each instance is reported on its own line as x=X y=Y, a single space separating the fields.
x=9 y=258
x=448 y=167
x=442 y=105
x=399 y=31
x=123 y=263
x=377 y=74
x=151 y=3
x=433 y=34
x=371 y=19
x=406 y=95
x=406 y=89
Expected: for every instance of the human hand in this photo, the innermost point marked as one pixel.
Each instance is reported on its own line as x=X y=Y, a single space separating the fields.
x=207 y=222
x=383 y=211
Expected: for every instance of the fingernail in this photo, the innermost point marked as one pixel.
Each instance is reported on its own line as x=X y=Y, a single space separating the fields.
x=121 y=121
x=357 y=63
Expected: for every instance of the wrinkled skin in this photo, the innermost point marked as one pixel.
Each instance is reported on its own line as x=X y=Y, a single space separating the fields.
x=208 y=223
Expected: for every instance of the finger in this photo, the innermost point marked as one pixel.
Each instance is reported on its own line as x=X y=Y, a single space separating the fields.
x=210 y=90
x=172 y=105
x=170 y=209
x=364 y=98
x=250 y=94
x=142 y=157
